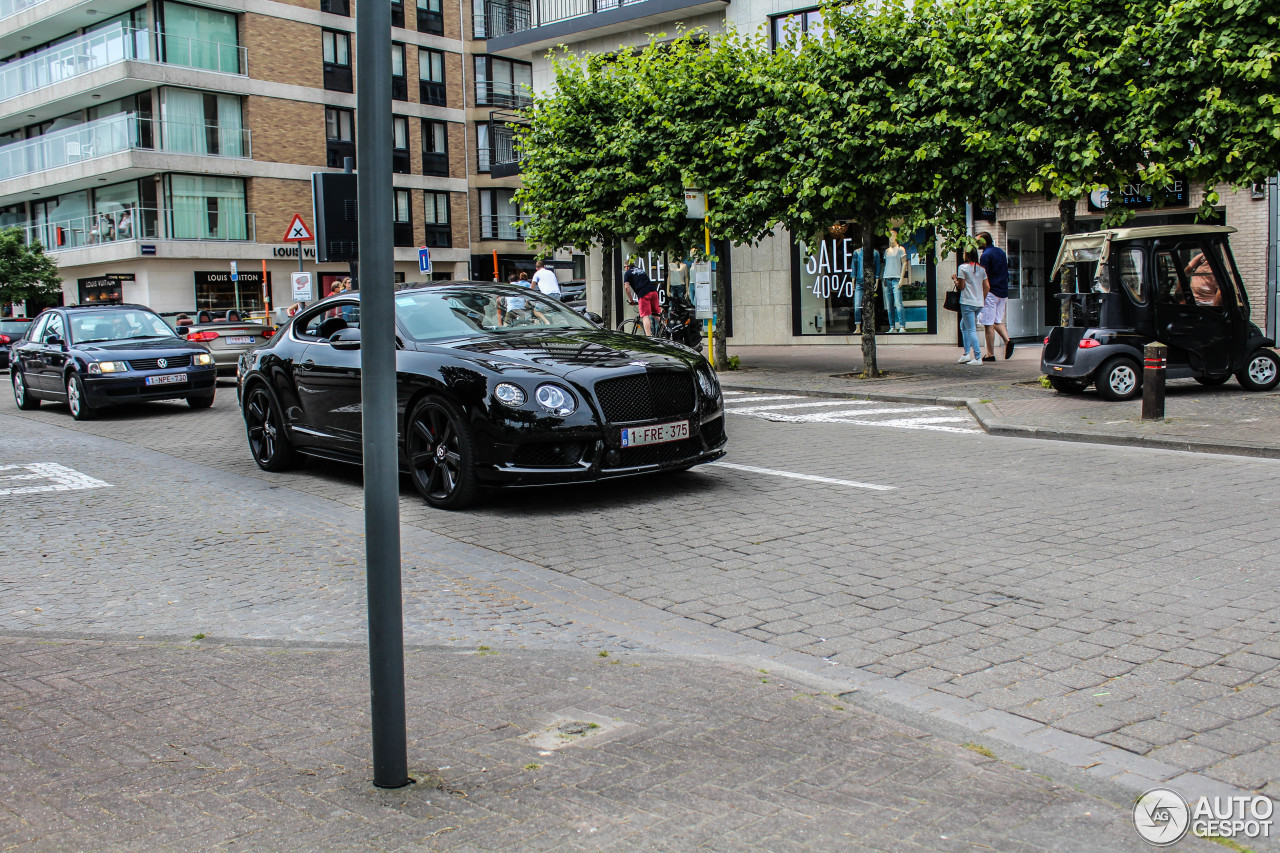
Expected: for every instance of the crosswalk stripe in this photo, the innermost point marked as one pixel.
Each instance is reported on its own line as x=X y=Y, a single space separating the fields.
x=773 y=408
x=794 y=475
x=765 y=406
x=764 y=398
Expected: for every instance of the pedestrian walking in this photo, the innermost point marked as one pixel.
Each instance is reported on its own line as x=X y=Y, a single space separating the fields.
x=996 y=264
x=971 y=279
x=642 y=293
x=545 y=279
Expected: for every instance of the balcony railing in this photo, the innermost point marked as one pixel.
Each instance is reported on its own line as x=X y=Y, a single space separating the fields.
x=501 y=94
x=504 y=154
x=90 y=52
x=505 y=17
x=9 y=8
x=500 y=226
x=117 y=133
x=143 y=223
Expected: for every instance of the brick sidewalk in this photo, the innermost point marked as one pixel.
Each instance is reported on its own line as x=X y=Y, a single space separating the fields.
x=186 y=744
x=1007 y=399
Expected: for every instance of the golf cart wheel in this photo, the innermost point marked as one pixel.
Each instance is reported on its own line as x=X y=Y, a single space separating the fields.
x=1065 y=385
x=1261 y=372
x=1119 y=378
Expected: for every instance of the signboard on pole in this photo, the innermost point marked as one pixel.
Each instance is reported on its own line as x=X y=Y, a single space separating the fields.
x=235 y=273
x=424 y=260
x=302 y=289
x=702 y=291
x=695 y=204
x=298 y=230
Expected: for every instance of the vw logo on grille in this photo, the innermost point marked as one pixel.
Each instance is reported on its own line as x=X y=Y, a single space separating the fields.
x=163 y=362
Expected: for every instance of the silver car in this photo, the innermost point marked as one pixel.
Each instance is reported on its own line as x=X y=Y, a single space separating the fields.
x=226 y=333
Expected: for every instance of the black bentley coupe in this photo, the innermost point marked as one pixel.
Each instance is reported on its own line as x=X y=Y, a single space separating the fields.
x=497 y=386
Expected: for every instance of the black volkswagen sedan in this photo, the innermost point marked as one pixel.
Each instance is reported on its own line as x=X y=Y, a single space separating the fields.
x=95 y=356
x=497 y=386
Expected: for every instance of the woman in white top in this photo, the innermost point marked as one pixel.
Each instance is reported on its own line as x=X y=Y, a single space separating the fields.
x=974 y=280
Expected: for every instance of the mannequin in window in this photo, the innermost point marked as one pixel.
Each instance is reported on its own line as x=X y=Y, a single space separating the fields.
x=680 y=278
x=895 y=270
x=856 y=270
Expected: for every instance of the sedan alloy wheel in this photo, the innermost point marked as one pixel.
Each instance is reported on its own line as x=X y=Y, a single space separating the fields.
x=440 y=457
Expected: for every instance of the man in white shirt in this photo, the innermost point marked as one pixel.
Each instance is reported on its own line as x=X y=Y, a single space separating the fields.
x=545 y=280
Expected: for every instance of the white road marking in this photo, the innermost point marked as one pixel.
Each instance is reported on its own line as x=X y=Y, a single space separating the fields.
x=813 y=478
x=55 y=477
x=901 y=415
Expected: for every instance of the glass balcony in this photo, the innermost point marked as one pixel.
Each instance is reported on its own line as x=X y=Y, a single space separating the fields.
x=115 y=134
x=90 y=52
x=143 y=223
x=9 y=8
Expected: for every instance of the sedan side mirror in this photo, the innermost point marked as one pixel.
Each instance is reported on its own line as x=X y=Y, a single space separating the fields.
x=55 y=341
x=348 y=338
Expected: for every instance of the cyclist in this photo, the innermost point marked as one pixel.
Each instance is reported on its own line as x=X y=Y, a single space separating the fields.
x=642 y=292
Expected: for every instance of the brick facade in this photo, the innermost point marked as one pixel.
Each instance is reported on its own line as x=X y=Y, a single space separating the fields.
x=274 y=201
x=286 y=131
x=283 y=51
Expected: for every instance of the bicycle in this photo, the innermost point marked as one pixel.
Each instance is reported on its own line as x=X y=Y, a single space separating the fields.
x=682 y=329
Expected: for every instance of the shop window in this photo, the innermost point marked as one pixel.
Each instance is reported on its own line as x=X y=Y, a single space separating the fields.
x=435 y=148
x=431 y=17
x=217 y=293
x=336 y=47
x=436 y=213
x=431 y=88
x=340 y=136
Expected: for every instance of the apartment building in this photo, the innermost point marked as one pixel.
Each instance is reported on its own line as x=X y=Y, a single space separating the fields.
x=148 y=146
x=784 y=292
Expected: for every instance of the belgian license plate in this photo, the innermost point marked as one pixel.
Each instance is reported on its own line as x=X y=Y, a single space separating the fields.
x=657 y=434
x=241 y=339
x=167 y=379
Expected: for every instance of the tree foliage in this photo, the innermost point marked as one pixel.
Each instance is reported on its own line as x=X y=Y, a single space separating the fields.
x=26 y=272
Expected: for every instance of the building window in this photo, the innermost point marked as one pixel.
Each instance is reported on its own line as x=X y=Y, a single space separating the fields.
x=196 y=37
x=202 y=207
x=400 y=145
x=482 y=146
x=202 y=123
x=435 y=148
x=498 y=215
x=784 y=28
x=336 y=7
x=503 y=83
x=431 y=17
x=436 y=213
x=403 y=225
x=399 y=84
x=397 y=13
x=340 y=135
x=494 y=18
x=337 y=60
x=431 y=77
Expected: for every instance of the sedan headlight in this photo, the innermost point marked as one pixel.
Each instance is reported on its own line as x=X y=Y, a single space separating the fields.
x=202 y=359
x=508 y=394
x=555 y=400
x=107 y=367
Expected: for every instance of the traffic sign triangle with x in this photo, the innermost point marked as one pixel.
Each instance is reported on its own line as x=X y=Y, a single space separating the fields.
x=298 y=230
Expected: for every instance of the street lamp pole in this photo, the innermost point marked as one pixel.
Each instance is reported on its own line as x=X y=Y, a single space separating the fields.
x=378 y=395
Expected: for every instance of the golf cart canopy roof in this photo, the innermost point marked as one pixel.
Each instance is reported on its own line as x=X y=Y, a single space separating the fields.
x=1096 y=245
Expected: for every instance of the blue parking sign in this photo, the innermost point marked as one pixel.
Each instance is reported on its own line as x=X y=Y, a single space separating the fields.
x=424 y=260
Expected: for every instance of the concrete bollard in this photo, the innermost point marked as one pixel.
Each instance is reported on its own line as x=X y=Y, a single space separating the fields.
x=1155 y=358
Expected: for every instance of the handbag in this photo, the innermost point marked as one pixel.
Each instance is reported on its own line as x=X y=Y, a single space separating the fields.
x=952 y=301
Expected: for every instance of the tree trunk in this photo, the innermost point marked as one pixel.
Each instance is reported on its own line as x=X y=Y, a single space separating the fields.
x=606 y=285
x=722 y=326
x=868 y=307
x=1067 y=216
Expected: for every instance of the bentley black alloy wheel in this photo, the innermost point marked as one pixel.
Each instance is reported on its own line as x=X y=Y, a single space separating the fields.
x=440 y=455
x=268 y=443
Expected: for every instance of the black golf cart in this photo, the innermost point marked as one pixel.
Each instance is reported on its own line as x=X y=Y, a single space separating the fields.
x=1176 y=284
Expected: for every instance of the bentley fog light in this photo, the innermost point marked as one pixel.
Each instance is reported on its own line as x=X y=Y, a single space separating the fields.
x=555 y=399
x=508 y=394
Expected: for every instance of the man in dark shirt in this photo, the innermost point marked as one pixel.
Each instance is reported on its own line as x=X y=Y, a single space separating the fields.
x=643 y=293
x=996 y=263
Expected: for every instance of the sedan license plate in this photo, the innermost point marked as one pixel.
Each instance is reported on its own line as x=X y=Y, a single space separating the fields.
x=167 y=379
x=241 y=339
x=657 y=434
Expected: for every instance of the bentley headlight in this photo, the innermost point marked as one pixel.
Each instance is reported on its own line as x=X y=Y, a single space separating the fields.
x=508 y=394
x=707 y=383
x=107 y=367
x=555 y=400
x=202 y=359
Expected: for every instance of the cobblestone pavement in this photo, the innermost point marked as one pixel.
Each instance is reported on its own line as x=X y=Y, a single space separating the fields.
x=200 y=745
x=167 y=687
x=1010 y=399
x=1131 y=603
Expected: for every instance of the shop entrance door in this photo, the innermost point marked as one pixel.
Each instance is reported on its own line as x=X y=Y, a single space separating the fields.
x=1051 y=303
x=1022 y=315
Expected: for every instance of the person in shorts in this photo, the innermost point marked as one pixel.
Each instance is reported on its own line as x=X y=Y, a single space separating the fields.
x=643 y=293
x=996 y=263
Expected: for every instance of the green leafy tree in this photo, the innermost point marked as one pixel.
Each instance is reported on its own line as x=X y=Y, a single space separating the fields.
x=26 y=272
